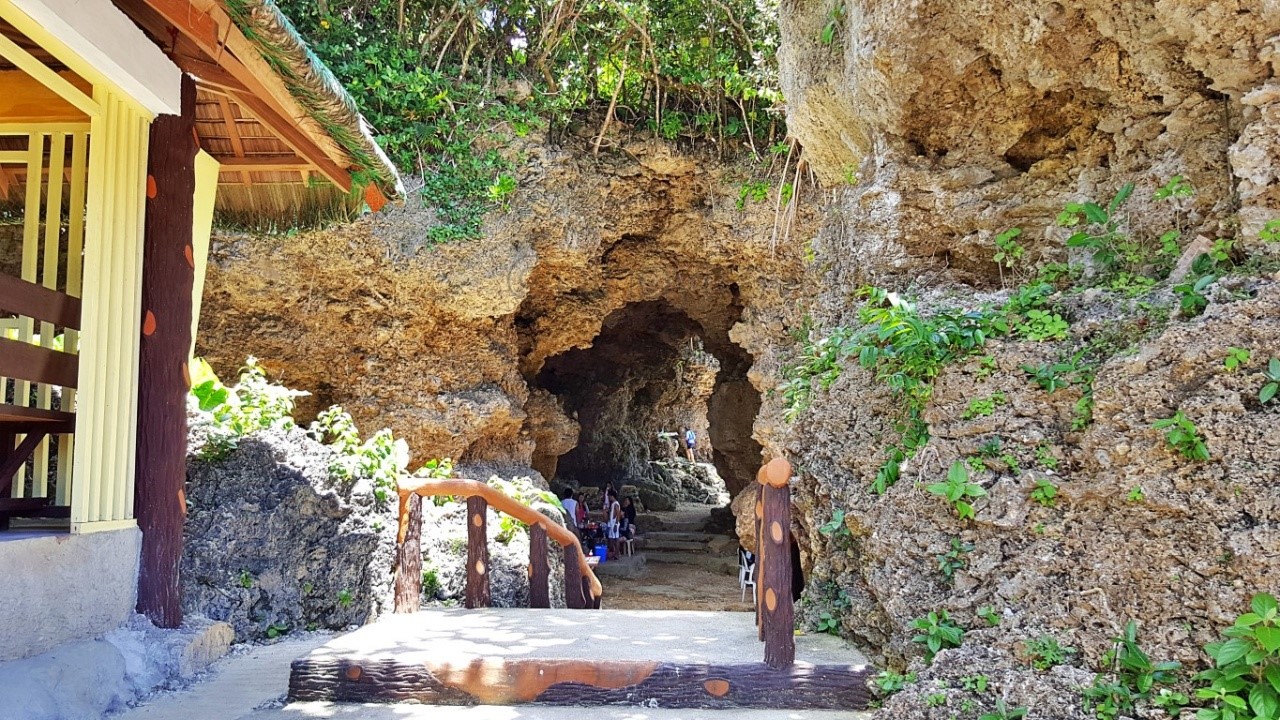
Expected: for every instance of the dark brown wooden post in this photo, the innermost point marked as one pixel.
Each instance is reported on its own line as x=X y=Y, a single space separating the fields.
x=168 y=276
x=574 y=598
x=778 y=607
x=409 y=555
x=539 y=570
x=759 y=571
x=477 y=553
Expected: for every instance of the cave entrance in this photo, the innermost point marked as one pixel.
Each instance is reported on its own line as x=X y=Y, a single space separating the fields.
x=650 y=373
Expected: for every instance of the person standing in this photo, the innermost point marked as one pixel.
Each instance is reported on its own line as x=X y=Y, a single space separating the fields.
x=690 y=442
x=615 y=520
x=570 y=505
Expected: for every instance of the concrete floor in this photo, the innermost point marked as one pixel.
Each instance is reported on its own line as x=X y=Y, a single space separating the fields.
x=456 y=636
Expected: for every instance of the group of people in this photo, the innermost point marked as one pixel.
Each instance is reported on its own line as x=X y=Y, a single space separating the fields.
x=619 y=517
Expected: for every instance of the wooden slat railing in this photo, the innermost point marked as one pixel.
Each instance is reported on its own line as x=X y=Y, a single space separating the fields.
x=582 y=588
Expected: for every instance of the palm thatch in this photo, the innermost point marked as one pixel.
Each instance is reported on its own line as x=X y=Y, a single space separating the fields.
x=315 y=88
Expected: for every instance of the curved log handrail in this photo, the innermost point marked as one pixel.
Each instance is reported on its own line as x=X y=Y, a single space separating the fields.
x=431 y=487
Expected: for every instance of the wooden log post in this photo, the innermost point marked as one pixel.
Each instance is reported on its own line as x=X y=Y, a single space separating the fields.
x=409 y=555
x=574 y=599
x=778 y=606
x=539 y=569
x=168 y=277
x=477 y=553
x=759 y=571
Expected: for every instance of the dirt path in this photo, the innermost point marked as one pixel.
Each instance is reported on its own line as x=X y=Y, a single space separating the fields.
x=677 y=566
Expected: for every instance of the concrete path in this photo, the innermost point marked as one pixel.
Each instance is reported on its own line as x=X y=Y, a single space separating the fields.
x=250 y=678
x=307 y=711
x=456 y=636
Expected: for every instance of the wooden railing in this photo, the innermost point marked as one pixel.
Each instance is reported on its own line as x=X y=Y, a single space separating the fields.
x=775 y=608
x=581 y=587
x=26 y=363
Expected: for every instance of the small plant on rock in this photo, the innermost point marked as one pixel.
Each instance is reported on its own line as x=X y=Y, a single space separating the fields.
x=982 y=407
x=954 y=559
x=835 y=527
x=344 y=598
x=828 y=623
x=1045 y=493
x=1272 y=385
x=1236 y=359
x=1182 y=435
x=1004 y=712
x=1244 y=682
x=958 y=489
x=1270 y=232
x=975 y=683
x=1191 y=298
x=1041 y=325
x=1045 y=457
x=936 y=632
x=936 y=699
x=890 y=682
x=1051 y=376
x=1136 y=495
x=1045 y=651
x=989 y=615
x=1128 y=678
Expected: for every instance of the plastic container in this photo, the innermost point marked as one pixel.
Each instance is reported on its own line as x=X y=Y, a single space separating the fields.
x=602 y=552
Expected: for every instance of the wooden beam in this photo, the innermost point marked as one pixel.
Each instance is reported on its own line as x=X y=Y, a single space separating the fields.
x=25 y=101
x=62 y=87
x=477 y=593
x=296 y=140
x=233 y=133
x=36 y=301
x=42 y=365
x=408 y=571
x=264 y=163
x=539 y=569
x=167 y=282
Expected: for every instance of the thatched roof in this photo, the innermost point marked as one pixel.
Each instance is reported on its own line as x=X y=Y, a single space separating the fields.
x=314 y=86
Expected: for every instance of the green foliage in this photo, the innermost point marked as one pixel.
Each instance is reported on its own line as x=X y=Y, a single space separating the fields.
x=757 y=191
x=828 y=623
x=936 y=632
x=1127 y=678
x=989 y=615
x=1050 y=376
x=523 y=491
x=436 y=80
x=1244 y=682
x=253 y=404
x=245 y=579
x=1176 y=188
x=1008 y=251
x=958 y=489
x=1272 y=373
x=1004 y=712
x=982 y=407
x=1099 y=229
x=817 y=362
x=935 y=699
x=500 y=190
x=1236 y=358
x=1082 y=412
x=1045 y=651
x=890 y=682
x=835 y=17
x=1045 y=457
x=1041 y=325
x=991 y=448
x=1182 y=435
x=1045 y=493
x=1270 y=232
x=430 y=583
x=975 y=683
x=1136 y=495
x=835 y=527
x=1191 y=298
x=954 y=559
x=344 y=598
x=275 y=630
x=889 y=472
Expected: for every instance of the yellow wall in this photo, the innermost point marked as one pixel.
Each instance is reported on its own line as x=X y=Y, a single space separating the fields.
x=206 y=192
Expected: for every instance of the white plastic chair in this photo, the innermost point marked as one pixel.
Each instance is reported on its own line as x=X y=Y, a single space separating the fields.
x=626 y=543
x=747 y=573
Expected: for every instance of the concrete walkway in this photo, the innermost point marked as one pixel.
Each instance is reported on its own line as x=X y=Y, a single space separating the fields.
x=250 y=678
x=308 y=711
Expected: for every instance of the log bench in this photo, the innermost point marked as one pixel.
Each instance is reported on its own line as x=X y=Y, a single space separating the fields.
x=24 y=361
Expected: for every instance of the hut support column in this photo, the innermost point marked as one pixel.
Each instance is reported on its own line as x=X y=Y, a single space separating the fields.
x=168 y=274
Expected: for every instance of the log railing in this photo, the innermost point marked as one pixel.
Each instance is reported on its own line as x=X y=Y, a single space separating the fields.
x=775 y=611
x=581 y=587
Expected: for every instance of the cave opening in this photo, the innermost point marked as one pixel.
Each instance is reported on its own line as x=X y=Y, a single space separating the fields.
x=652 y=371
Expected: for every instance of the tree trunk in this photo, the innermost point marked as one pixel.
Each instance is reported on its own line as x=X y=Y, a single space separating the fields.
x=168 y=276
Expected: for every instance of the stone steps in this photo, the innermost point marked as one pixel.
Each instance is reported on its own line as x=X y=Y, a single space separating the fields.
x=668 y=535
x=660 y=545
x=713 y=563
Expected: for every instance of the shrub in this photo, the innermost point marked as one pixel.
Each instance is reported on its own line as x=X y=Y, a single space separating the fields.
x=937 y=631
x=1128 y=677
x=1181 y=435
x=1244 y=682
x=958 y=489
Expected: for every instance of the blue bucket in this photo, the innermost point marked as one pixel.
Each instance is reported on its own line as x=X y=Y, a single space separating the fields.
x=602 y=552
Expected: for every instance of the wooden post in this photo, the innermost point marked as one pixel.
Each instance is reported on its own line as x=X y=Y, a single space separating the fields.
x=168 y=277
x=539 y=570
x=574 y=599
x=778 y=606
x=409 y=555
x=759 y=571
x=477 y=553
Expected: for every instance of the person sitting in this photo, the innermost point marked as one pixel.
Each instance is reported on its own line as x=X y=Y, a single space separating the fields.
x=628 y=529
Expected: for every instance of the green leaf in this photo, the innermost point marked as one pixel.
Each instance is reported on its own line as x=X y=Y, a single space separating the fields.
x=1248 y=620
x=1268 y=637
x=1273 y=368
x=1095 y=213
x=1268 y=392
x=1231 y=651
x=1272 y=674
x=1125 y=191
x=1264 y=604
x=1264 y=702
